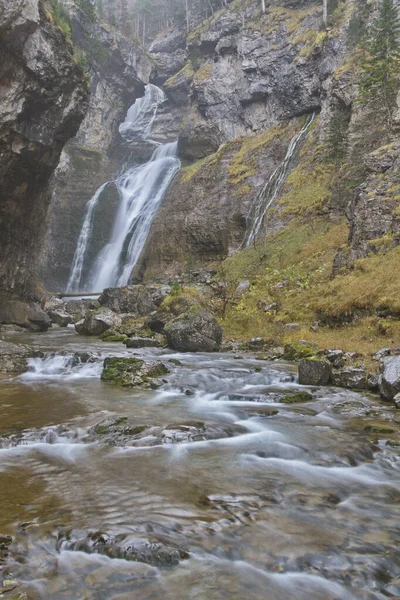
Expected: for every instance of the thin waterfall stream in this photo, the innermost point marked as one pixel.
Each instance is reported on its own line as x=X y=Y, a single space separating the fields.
x=141 y=190
x=270 y=191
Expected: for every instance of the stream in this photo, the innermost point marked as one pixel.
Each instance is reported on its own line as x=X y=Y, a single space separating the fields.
x=238 y=496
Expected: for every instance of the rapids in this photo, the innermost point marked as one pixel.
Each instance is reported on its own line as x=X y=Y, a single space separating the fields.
x=282 y=502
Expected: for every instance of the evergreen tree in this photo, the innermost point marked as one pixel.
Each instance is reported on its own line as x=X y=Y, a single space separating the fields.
x=337 y=135
x=380 y=66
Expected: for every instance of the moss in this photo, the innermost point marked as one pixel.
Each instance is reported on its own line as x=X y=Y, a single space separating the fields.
x=298 y=350
x=296 y=397
x=175 y=362
x=120 y=370
x=394 y=443
x=113 y=336
x=187 y=72
x=203 y=74
x=379 y=428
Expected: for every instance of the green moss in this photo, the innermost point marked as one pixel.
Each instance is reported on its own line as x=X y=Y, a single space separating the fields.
x=120 y=370
x=298 y=350
x=187 y=72
x=203 y=74
x=379 y=428
x=113 y=336
x=296 y=397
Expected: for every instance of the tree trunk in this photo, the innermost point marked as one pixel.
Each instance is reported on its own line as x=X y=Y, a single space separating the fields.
x=325 y=12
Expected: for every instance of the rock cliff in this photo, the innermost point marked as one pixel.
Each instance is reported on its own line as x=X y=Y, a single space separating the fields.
x=43 y=99
x=118 y=70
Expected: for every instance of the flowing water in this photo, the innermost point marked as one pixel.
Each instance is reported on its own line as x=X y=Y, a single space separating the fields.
x=254 y=499
x=141 y=190
x=270 y=191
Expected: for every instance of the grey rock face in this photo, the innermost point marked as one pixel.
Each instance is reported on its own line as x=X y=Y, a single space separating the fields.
x=194 y=331
x=389 y=385
x=41 y=107
x=13 y=357
x=314 y=372
x=97 y=322
x=25 y=314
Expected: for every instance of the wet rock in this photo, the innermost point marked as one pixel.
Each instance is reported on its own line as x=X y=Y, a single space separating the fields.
x=350 y=377
x=377 y=427
x=28 y=315
x=373 y=380
x=5 y=543
x=78 y=308
x=142 y=342
x=396 y=400
x=132 y=372
x=194 y=331
x=138 y=300
x=122 y=546
x=95 y=323
x=348 y=407
x=314 y=372
x=56 y=309
x=389 y=384
x=296 y=397
x=110 y=335
x=336 y=358
x=13 y=357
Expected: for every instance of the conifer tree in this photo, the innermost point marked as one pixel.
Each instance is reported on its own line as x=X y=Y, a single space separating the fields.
x=380 y=66
x=337 y=135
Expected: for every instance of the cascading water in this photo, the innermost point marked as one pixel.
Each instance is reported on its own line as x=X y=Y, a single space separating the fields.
x=269 y=192
x=141 y=190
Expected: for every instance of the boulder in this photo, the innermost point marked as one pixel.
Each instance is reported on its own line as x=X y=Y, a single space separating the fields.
x=142 y=342
x=314 y=372
x=298 y=350
x=78 y=308
x=13 y=357
x=390 y=382
x=95 y=323
x=25 y=314
x=350 y=377
x=173 y=306
x=138 y=300
x=132 y=372
x=194 y=331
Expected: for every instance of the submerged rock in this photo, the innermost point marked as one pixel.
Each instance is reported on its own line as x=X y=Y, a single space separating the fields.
x=132 y=372
x=97 y=322
x=194 y=331
x=390 y=382
x=13 y=357
x=122 y=546
x=296 y=397
x=142 y=342
x=314 y=372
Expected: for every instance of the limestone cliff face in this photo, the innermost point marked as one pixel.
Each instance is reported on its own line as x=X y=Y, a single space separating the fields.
x=248 y=84
x=118 y=70
x=43 y=99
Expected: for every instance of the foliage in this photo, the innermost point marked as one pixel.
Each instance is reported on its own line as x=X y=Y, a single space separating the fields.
x=61 y=19
x=380 y=66
x=87 y=9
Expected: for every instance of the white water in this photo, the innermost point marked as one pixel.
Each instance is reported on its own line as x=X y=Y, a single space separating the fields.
x=59 y=366
x=141 y=190
x=269 y=192
x=83 y=241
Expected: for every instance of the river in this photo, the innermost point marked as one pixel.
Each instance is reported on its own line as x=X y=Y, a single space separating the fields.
x=253 y=498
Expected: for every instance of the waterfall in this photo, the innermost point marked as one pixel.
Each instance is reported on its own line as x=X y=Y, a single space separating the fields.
x=270 y=190
x=141 y=190
x=83 y=240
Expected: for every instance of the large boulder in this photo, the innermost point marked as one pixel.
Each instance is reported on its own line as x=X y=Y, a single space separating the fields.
x=13 y=357
x=194 y=331
x=98 y=321
x=390 y=380
x=56 y=309
x=138 y=300
x=78 y=308
x=314 y=372
x=132 y=372
x=350 y=377
x=173 y=306
x=25 y=314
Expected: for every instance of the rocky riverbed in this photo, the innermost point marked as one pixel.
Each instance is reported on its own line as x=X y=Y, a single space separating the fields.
x=228 y=480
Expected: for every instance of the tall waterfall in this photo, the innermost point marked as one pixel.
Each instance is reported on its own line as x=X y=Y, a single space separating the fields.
x=270 y=190
x=141 y=190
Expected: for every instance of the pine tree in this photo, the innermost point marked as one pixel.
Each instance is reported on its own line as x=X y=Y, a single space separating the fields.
x=380 y=66
x=337 y=135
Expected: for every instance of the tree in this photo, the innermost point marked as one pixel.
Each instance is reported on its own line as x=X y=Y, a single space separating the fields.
x=380 y=66
x=337 y=135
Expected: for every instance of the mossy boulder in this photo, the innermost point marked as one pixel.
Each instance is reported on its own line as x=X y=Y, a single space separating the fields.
x=175 y=305
x=296 y=397
x=142 y=342
x=379 y=428
x=298 y=350
x=110 y=335
x=132 y=372
x=139 y=300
